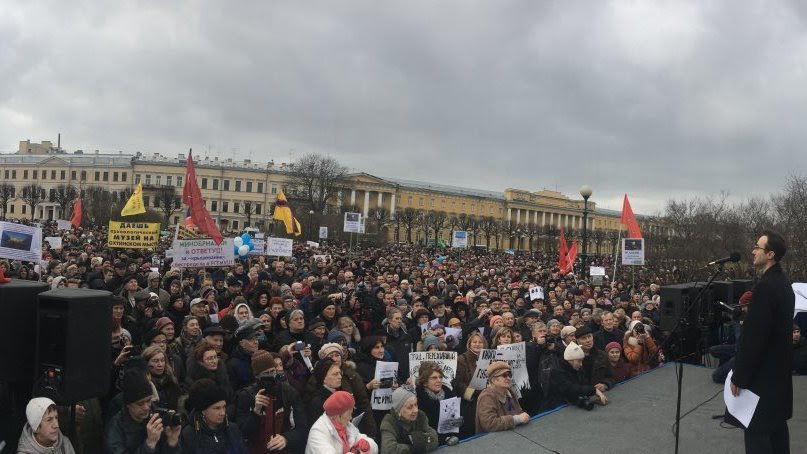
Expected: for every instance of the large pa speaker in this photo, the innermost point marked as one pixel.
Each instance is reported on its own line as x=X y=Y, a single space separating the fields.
x=729 y=292
x=676 y=304
x=73 y=343
x=17 y=345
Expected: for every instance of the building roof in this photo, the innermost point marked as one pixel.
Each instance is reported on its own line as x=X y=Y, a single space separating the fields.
x=458 y=190
x=105 y=160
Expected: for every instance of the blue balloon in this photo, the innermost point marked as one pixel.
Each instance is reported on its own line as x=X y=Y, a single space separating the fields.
x=251 y=246
x=440 y=259
x=247 y=239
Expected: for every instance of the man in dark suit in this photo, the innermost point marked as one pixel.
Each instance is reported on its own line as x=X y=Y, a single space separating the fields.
x=765 y=357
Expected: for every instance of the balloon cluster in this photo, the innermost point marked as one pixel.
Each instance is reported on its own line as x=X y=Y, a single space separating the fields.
x=242 y=245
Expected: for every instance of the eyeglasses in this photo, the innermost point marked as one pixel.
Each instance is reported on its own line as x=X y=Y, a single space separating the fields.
x=756 y=246
x=506 y=375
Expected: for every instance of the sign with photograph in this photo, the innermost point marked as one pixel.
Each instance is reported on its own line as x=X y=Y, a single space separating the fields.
x=20 y=242
x=459 y=239
x=352 y=223
x=633 y=251
x=323 y=232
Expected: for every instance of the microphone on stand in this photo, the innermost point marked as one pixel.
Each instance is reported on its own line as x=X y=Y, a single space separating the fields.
x=734 y=257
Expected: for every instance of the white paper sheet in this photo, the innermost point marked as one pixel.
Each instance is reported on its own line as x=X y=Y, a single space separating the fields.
x=800 y=289
x=741 y=407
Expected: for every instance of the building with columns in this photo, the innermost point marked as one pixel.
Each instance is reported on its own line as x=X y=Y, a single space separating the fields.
x=240 y=193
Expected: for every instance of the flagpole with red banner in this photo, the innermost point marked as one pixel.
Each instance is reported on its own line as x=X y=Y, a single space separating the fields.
x=192 y=197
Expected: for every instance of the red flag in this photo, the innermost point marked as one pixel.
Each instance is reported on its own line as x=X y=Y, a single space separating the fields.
x=570 y=258
x=75 y=219
x=563 y=250
x=192 y=196
x=629 y=220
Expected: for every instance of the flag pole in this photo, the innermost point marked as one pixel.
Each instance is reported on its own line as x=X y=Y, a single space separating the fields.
x=616 y=251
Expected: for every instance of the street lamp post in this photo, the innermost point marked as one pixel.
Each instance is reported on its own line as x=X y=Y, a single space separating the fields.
x=311 y=224
x=585 y=191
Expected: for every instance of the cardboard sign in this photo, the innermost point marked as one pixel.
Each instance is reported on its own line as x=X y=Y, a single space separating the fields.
x=536 y=293
x=202 y=253
x=260 y=246
x=54 y=241
x=280 y=247
x=133 y=235
x=597 y=271
x=312 y=244
x=449 y=421
x=480 y=378
x=385 y=372
x=20 y=242
x=446 y=360
x=516 y=356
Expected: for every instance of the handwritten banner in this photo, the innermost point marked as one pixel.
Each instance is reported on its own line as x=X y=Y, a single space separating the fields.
x=446 y=360
x=133 y=235
x=201 y=253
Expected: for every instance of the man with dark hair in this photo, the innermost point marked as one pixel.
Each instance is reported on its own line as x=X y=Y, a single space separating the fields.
x=764 y=359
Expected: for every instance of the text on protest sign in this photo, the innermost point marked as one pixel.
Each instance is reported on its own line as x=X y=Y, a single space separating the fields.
x=449 y=420
x=260 y=246
x=633 y=251
x=133 y=235
x=280 y=247
x=385 y=372
x=446 y=360
x=323 y=233
x=62 y=224
x=54 y=241
x=20 y=242
x=516 y=356
x=536 y=293
x=202 y=253
x=352 y=223
x=480 y=378
x=459 y=239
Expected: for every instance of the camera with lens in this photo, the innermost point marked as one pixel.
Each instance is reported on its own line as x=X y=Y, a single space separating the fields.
x=587 y=402
x=639 y=328
x=169 y=417
x=268 y=382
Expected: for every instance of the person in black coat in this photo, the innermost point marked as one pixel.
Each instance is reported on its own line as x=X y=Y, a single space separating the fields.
x=399 y=343
x=799 y=352
x=208 y=430
x=567 y=382
x=430 y=391
x=764 y=360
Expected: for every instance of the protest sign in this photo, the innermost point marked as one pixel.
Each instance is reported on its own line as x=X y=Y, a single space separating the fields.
x=203 y=252
x=323 y=233
x=324 y=257
x=456 y=332
x=633 y=251
x=480 y=377
x=133 y=235
x=429 y=325
x=449 y=421
x=62 y=224
x=597 y=271
x=536 y=293
x=352 y=223
x=385 y=372
x=516 y=356
x=20 y=242
x=280 y=247
x=446 y=360
x=54 y=241
x=312 y=244
x=260 y=246
x=459 y=239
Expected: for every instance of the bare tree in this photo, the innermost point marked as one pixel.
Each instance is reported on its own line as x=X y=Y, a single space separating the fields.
x=437 y=221
x=408 y=218
x=64 y=195
x=317 y=179
x=598 y=237
x=6 y=194
x=167 y=200
x=250 y=209
x=423 y=221
x=33 y=194
x=98 y=206
x=490 y=227
x=380 y=217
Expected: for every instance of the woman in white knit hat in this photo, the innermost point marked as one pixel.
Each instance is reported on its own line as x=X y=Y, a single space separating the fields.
x=41 y=433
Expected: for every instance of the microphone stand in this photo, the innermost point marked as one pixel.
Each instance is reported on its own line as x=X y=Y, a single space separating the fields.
x=679 y=364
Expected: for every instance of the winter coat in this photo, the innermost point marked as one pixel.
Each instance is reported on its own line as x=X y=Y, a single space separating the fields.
x=639 y=355
x=198 y=438
x=352 y=383
x=239 y=368
x=495 y=409
x=407 y=437
x=253 y=427
x=399 y=344
x=431 y=407
x=597 y=368
x=764 y=361
x=800 y=357
x=466 y=366
x=567 y=384
x=28 y=445
x=197 y=371
x=323 y=438
x=603 y=337
x=124 y=436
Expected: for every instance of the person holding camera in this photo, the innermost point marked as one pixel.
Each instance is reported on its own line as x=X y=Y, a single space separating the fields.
x=569 y=384
x=209 y=430
x=135 y=428
x=639 y=348
x=270 y=412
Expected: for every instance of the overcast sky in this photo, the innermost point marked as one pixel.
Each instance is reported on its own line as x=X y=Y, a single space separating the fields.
x=654 y=99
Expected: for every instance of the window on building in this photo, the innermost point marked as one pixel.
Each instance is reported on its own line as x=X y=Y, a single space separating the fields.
x=260 y=188
x=179 y=181
x=12 y=208
x=237 y=185
x=114 y=176
x=52 y=174
x=420 y=201
x=51 y=195
x=34 y=173
x=204 y=183
x=7 y=173
x=258 y=208
x=123 y=176
x=225 y=207
x=236 y=206
x=97 y=175
x=442 y=204
x=23 y=209
x=453 y=204
x=146 y=200
x=13 y=174
x=169 y=180
x=409 y=200
x=44 y=174
x=463 y=207
x=137 y=178
x=249 y=186
x=159 y=180
x=226 y=185
x=62 y=174
x=215 y=184
x=273 y=190
x=106 y=176
x=148 y=180
x=235 y=225
x=214 y=205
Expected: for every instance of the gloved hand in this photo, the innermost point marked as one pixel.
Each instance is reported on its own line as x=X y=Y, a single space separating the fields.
x=360 y=446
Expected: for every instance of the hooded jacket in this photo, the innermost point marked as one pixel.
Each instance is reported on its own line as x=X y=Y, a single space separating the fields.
x=28 y=445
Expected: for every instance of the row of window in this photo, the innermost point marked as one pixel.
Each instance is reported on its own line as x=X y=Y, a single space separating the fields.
x=170 y=180
x=422 y=201
x=207 y=183
x=237 y=207
x=11 y=174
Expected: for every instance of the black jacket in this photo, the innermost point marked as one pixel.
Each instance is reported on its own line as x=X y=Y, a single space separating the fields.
x=399 y=345
x=289 y=399
x=764 y=360
x=198 y=438
x=124 y=436
x=566 y=385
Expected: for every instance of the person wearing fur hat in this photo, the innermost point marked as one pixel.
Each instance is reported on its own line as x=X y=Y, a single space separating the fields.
x=430 y=391
x=567 y=382
x=497 y=408
x=596 y=367
x=135 y=429
x=269 y=412
x=208 y=430
x=406 y=429
x=41 y=434
x=334 y=433
x=639 y=348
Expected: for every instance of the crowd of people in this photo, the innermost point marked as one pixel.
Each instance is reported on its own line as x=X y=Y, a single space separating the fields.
x=279 y=354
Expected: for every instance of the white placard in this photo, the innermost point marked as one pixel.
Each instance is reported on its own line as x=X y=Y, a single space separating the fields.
x=280 y=247
x=260 y=246
x=61 y=224
x=323 y=233
x=352 y=223
x=741 y=407
x=536 y=293
x=20 y=242
x=54 y=241
x=456 y=332
x=446 y=360
x=449 y=422
x=633 y=251
x=202 y=253
x=459 y=239
x=312 y=244
x=516 y=356
x=429 y=325
x=385 y=372
x=321 y=257
x=800 y=290
x=596 y=271
x=480 y=377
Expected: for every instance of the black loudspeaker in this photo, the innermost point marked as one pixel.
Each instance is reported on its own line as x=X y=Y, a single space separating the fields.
x=729 y=292
x=17 y=346
x=675 y=299
x=73 y=343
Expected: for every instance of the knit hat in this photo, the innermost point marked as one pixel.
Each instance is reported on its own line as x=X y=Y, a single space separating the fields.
x=316 y=325
x=262 y=361
x=497 y=368
x=745 y=299
x=399 y=398
x=340 y=402
x=162 y=322
x=327 y=349
x=566 y=331
x=204 y=393
x=494 y=319
x=429 y=341
x=582 y=331
x=36 y=410
x=533 y=313
x=135 y=386
x=573 y=351
x=613 y=345
x=553 y=322
x=335 y=335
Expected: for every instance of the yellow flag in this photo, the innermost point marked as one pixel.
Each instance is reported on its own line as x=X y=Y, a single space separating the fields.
x=135 y=203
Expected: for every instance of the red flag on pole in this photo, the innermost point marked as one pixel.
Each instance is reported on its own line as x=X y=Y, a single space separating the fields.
x=75 y=219
x=563 y=250
x=192 y=197
x=570 y=258
x=629 y=220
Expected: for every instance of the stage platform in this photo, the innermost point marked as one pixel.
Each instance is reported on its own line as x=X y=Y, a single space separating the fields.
x=639 y=419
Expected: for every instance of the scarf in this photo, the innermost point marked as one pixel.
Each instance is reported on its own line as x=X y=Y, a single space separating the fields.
x=435 y=395
x=342 y=432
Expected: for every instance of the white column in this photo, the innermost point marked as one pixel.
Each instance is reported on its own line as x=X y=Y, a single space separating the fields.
x=392 y=206
x=366 y=208
x=518 y=216
x=339 y=199
x=543 y=218
x=535 y=218
x=380 y=200
x=509 y=214
x=352 y=197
